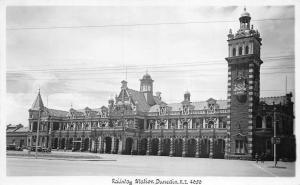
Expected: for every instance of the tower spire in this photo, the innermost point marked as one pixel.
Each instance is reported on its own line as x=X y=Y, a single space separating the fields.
x=38 y=102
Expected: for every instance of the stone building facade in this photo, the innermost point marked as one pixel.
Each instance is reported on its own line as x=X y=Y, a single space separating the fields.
x=139 y=122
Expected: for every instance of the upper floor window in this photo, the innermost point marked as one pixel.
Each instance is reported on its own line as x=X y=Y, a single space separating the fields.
x=247 y=50
x=233 y=52
x=269 y=122
x=240 y=50
x=258 y=122
x=210 y=124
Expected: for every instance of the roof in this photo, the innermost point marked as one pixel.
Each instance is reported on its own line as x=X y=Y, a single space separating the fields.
x=20 y=129
x=55 y=112
x=38 y=103
x=140 y=99
x=275 y=99
x=201 y=105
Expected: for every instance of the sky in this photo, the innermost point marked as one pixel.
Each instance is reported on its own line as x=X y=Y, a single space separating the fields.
x=78 y=56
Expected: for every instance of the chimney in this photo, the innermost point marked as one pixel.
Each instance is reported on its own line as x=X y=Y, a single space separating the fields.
x=158 y=95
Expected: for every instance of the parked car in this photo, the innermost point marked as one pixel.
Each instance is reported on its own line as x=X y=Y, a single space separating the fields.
x=39 y=148
x=11 y=147
x=46 y=150
x=18 y=148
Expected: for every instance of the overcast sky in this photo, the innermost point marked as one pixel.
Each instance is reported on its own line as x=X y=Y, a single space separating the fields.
x=79 y=55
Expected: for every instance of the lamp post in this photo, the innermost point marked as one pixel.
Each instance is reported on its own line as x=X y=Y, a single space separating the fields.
x=37 y=134
x=274 y=139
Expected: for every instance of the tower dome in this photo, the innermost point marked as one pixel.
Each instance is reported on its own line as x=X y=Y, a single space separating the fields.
x=146 y=76
x=245 y=13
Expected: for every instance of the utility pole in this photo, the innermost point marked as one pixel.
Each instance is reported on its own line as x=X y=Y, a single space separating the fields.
x=274 y=139
x=37 y=134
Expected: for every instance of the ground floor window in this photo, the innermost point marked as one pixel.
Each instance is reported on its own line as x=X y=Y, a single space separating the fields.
x=239 y=147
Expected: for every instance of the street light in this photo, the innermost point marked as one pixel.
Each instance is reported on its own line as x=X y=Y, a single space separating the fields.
x=274 y=139
x=37 y=134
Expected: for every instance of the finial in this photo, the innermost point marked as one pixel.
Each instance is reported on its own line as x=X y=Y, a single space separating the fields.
x=71 y=105
x=146 y=71
x=244 y=8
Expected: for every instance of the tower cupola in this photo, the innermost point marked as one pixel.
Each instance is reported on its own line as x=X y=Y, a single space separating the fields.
x=245 y=20
x=146 y=88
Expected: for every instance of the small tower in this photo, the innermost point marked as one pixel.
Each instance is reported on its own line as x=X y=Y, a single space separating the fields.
x=187 y=96
x=243 y=87
x=146 y=88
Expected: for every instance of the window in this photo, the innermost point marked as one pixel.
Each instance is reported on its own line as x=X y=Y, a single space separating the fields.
x=240 y=50
x=239 y=147
x=269 y=122
x=258 y=122
x=247 y=50
x=233 y=52
x=210 y=124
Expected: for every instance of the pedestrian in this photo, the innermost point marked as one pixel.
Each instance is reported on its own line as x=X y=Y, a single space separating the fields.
x=256 y=157
x=262 y=157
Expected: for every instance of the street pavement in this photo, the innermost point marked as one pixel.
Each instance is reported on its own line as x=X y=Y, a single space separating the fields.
x=127 y=165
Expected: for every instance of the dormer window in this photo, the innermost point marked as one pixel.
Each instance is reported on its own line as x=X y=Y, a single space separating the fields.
x=162 y=110
x=211 y=108
x=185 y=110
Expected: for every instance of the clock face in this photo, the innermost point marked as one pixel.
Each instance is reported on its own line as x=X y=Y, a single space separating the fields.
x=240 y=88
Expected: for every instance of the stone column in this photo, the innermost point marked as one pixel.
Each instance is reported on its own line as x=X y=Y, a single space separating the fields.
x=90 y=144
x=66 y=143
x=139 y=146
x=172 y=148
x=58 y=143
x=211 y=148
x=73 y=144
x=101 y=145
x=113 y=140
x=184 y=147
x=82 y=144
x=198 y=148
x=120 y=148
x=149 y=150
x=133 y=147
x=159 y=146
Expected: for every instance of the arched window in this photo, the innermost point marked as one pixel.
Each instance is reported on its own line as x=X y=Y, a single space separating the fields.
x=258 y=122
x=210 y=124
x=233 y=52
x=240 y=50
x=269 y=122
x=247 y=50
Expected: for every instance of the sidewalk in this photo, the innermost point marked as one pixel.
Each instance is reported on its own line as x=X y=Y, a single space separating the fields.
x=58 y=155
x=283 y=169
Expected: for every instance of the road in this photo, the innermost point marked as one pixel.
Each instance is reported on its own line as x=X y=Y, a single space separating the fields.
x=126 y=165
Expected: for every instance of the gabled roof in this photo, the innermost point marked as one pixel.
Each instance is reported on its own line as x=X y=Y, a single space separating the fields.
x=140 y=99
x=38 y=103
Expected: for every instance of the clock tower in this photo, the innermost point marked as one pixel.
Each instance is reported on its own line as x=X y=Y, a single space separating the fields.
x=243 y=88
